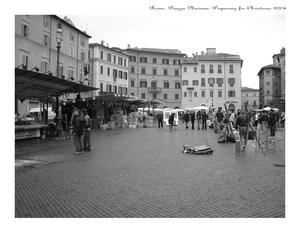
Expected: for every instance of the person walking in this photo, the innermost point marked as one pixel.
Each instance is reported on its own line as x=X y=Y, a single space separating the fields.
x=219 y=119
x=186 y=119
x=198 y=119
x=242 y=122
x=204 y=118
x=77 y=126
x=232 y=119
x=272 y=123
x=87 y=131
x=160 y=119
x=171 y=121
x=193 y=119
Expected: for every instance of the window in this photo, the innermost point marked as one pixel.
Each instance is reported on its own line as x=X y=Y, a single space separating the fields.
x=254 y=102
x=101 y=54
x=125 y=62
x=231 y=93
x=71 y=51
x=108 y=88
x=120 y=61
x=211 y=82
x=176 y=96
x=25 y=30
x=143 y=70
x=202 y=69
x=61 y=71
x=143 y=83
x=154 y=71
x=165 y=72
x=154 y=60
x=267 y=72
x=143 y=95
x=177 y=85
x=231 y=82
x=165 y=61
x=165 y=96
x=82 y=56
x=132 y=70
x=46 y=39
x=120 y=90
x=176 y=62
x=185 y=82
x=115 y=89
x=154 y=96
x=202 y=93
x=125 y=90
x=268 y=83
x=108 y=71
x=195 y=83
x=231 y=69
x=109 y=57
x=115 y=59
x=70 y=74
x=44 y=67
x=120 y=74
x=185 y=69
x=202 y=82
x=46 y=21
x=132 y=93
x=89 y=54
x=268 y=92
x=132 y=58
x=211 y=69
x=101 y=69
x=195 y=69
x=211 y=93
x=176 y=73
x=101 y=87
x=125 y=75
x=132 y=83
x=24 y=60
x=166 y=84
x=219 y=82
x=220 y=69
x=82 y=42
x=115 y=74
x=195 y=94
x=72 y=36
x=185 y=94
x=219 y=93
x=143 y=59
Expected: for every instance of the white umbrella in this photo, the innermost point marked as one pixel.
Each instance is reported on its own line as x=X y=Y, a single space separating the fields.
x=266 y=109
x=158 y=110
x=178 y=110
x=201 y=108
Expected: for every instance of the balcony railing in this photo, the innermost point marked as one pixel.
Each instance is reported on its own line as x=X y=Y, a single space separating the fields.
x=154 y=89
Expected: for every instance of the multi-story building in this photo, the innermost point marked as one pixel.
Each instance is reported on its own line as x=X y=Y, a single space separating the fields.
x=36 y=47
x=212 y=79
x=108 y=69
x=250 y=97
x=279 y=59
x=155 y=74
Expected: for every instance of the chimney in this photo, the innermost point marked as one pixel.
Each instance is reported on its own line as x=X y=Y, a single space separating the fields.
x=211 y=51
x=106 y=44
x=102 y=42
x=202 y=52
x=128 y=46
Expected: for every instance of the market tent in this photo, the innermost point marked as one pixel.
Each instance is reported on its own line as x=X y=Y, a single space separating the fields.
x=31 y=84
x=201 y=108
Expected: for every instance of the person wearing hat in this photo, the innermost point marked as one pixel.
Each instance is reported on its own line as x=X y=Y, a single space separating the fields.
x=77 y=127
x=87 y=131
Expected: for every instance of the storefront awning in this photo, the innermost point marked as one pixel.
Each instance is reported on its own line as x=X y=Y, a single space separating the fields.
x=30 y=84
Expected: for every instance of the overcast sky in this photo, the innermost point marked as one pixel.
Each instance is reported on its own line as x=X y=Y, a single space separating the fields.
x=254 y=37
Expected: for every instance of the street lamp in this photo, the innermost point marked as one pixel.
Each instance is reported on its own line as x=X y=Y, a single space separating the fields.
x=58 y=40
x=211 y=83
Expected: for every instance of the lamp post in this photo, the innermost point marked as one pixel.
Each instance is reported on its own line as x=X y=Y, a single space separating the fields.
x=211 y=82
x=58 y=40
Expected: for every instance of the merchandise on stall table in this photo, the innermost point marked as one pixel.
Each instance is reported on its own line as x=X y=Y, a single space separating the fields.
x=197 y=150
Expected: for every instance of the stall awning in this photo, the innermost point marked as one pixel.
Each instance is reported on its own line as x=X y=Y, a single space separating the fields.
x=30 y=84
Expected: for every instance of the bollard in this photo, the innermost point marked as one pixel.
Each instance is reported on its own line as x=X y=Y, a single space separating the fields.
x=237 y=147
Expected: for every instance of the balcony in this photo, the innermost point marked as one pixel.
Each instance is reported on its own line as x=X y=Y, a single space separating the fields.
x=154 y=89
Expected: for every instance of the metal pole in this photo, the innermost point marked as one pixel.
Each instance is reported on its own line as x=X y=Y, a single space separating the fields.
x=57 y=74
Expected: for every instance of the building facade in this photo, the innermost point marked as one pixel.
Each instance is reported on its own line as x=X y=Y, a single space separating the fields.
x=250 y=97
x=36 y=47
x=212 y=79
x=155 y=74
x=108 y=69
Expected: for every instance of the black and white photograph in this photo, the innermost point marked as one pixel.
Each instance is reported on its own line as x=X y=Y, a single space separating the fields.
x=157 y=110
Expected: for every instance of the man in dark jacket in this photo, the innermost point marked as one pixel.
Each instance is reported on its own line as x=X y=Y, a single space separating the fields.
x=198 y=119
x=242 y=122
x=272 y=122
x=193 y=119
x=171 y=121
x=160 y=119
x=186 y=119
x=77 y=123
x=204 y=118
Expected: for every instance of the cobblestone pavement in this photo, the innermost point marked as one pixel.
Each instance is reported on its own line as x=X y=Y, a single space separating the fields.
x=143 y=173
